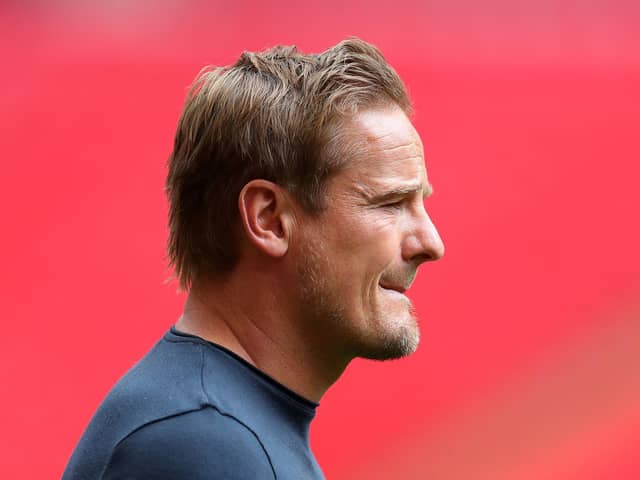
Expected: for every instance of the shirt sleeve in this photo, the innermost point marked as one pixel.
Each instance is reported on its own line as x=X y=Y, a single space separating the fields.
x=201 y=444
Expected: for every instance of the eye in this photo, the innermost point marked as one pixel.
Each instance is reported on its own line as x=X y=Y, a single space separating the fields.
x=395 y=205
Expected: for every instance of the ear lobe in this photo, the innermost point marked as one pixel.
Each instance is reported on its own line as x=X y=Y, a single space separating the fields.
x=263 y=210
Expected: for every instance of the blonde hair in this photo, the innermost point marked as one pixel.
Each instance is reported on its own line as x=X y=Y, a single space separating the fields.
x=272 y=115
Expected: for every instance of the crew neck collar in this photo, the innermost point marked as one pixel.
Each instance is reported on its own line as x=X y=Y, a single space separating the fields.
x=308 y=405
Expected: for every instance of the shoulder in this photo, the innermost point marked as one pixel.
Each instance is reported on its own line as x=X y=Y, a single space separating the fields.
x=199 y=444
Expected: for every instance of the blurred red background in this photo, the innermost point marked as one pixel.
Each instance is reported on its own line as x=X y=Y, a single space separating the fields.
x=529 y=112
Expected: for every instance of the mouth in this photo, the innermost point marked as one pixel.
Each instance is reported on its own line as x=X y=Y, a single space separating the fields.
x=394 y=288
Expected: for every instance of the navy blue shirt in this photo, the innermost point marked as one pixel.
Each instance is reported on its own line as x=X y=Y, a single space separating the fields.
x=194 y=410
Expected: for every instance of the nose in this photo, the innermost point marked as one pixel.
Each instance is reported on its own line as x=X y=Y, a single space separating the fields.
x=423 y=243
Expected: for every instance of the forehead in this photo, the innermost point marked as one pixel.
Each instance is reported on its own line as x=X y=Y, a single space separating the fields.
x=383 y=150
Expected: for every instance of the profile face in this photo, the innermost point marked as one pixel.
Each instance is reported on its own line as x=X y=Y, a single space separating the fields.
x=359 y=256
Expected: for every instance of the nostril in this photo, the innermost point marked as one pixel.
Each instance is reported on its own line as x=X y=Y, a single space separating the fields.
x=423 y=257
x=430 y=255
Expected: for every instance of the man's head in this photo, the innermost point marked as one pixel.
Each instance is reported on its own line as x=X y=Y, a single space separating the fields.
x=309 y=162
x=274 y=115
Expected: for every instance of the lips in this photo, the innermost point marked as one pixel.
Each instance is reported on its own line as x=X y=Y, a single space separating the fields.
x=399 y=289
x=397 y=281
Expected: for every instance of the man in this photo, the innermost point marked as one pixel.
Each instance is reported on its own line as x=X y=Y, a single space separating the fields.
x=297 y=223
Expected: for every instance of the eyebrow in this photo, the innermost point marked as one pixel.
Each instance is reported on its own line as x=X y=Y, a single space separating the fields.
x=427 y=191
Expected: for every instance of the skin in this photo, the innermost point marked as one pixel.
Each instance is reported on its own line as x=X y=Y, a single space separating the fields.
x=341 y=276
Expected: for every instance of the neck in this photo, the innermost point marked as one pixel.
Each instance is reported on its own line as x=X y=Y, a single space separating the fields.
x=263 y=330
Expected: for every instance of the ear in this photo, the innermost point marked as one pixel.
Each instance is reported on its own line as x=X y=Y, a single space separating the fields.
x=266 y=217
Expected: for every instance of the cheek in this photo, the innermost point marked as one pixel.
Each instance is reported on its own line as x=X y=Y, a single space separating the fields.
x=366 y=231
x=374 y=252
x=361 y=247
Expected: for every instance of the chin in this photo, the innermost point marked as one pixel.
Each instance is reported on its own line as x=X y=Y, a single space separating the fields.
x=397 y=340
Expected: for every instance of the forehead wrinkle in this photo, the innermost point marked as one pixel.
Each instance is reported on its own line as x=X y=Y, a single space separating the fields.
x=411 y=136
x=361 y=157
x=408 y=145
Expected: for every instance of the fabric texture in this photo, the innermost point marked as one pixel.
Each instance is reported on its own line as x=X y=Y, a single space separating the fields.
x=193 y=409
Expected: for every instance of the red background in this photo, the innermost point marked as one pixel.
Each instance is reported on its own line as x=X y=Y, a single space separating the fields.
x=529 y=113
